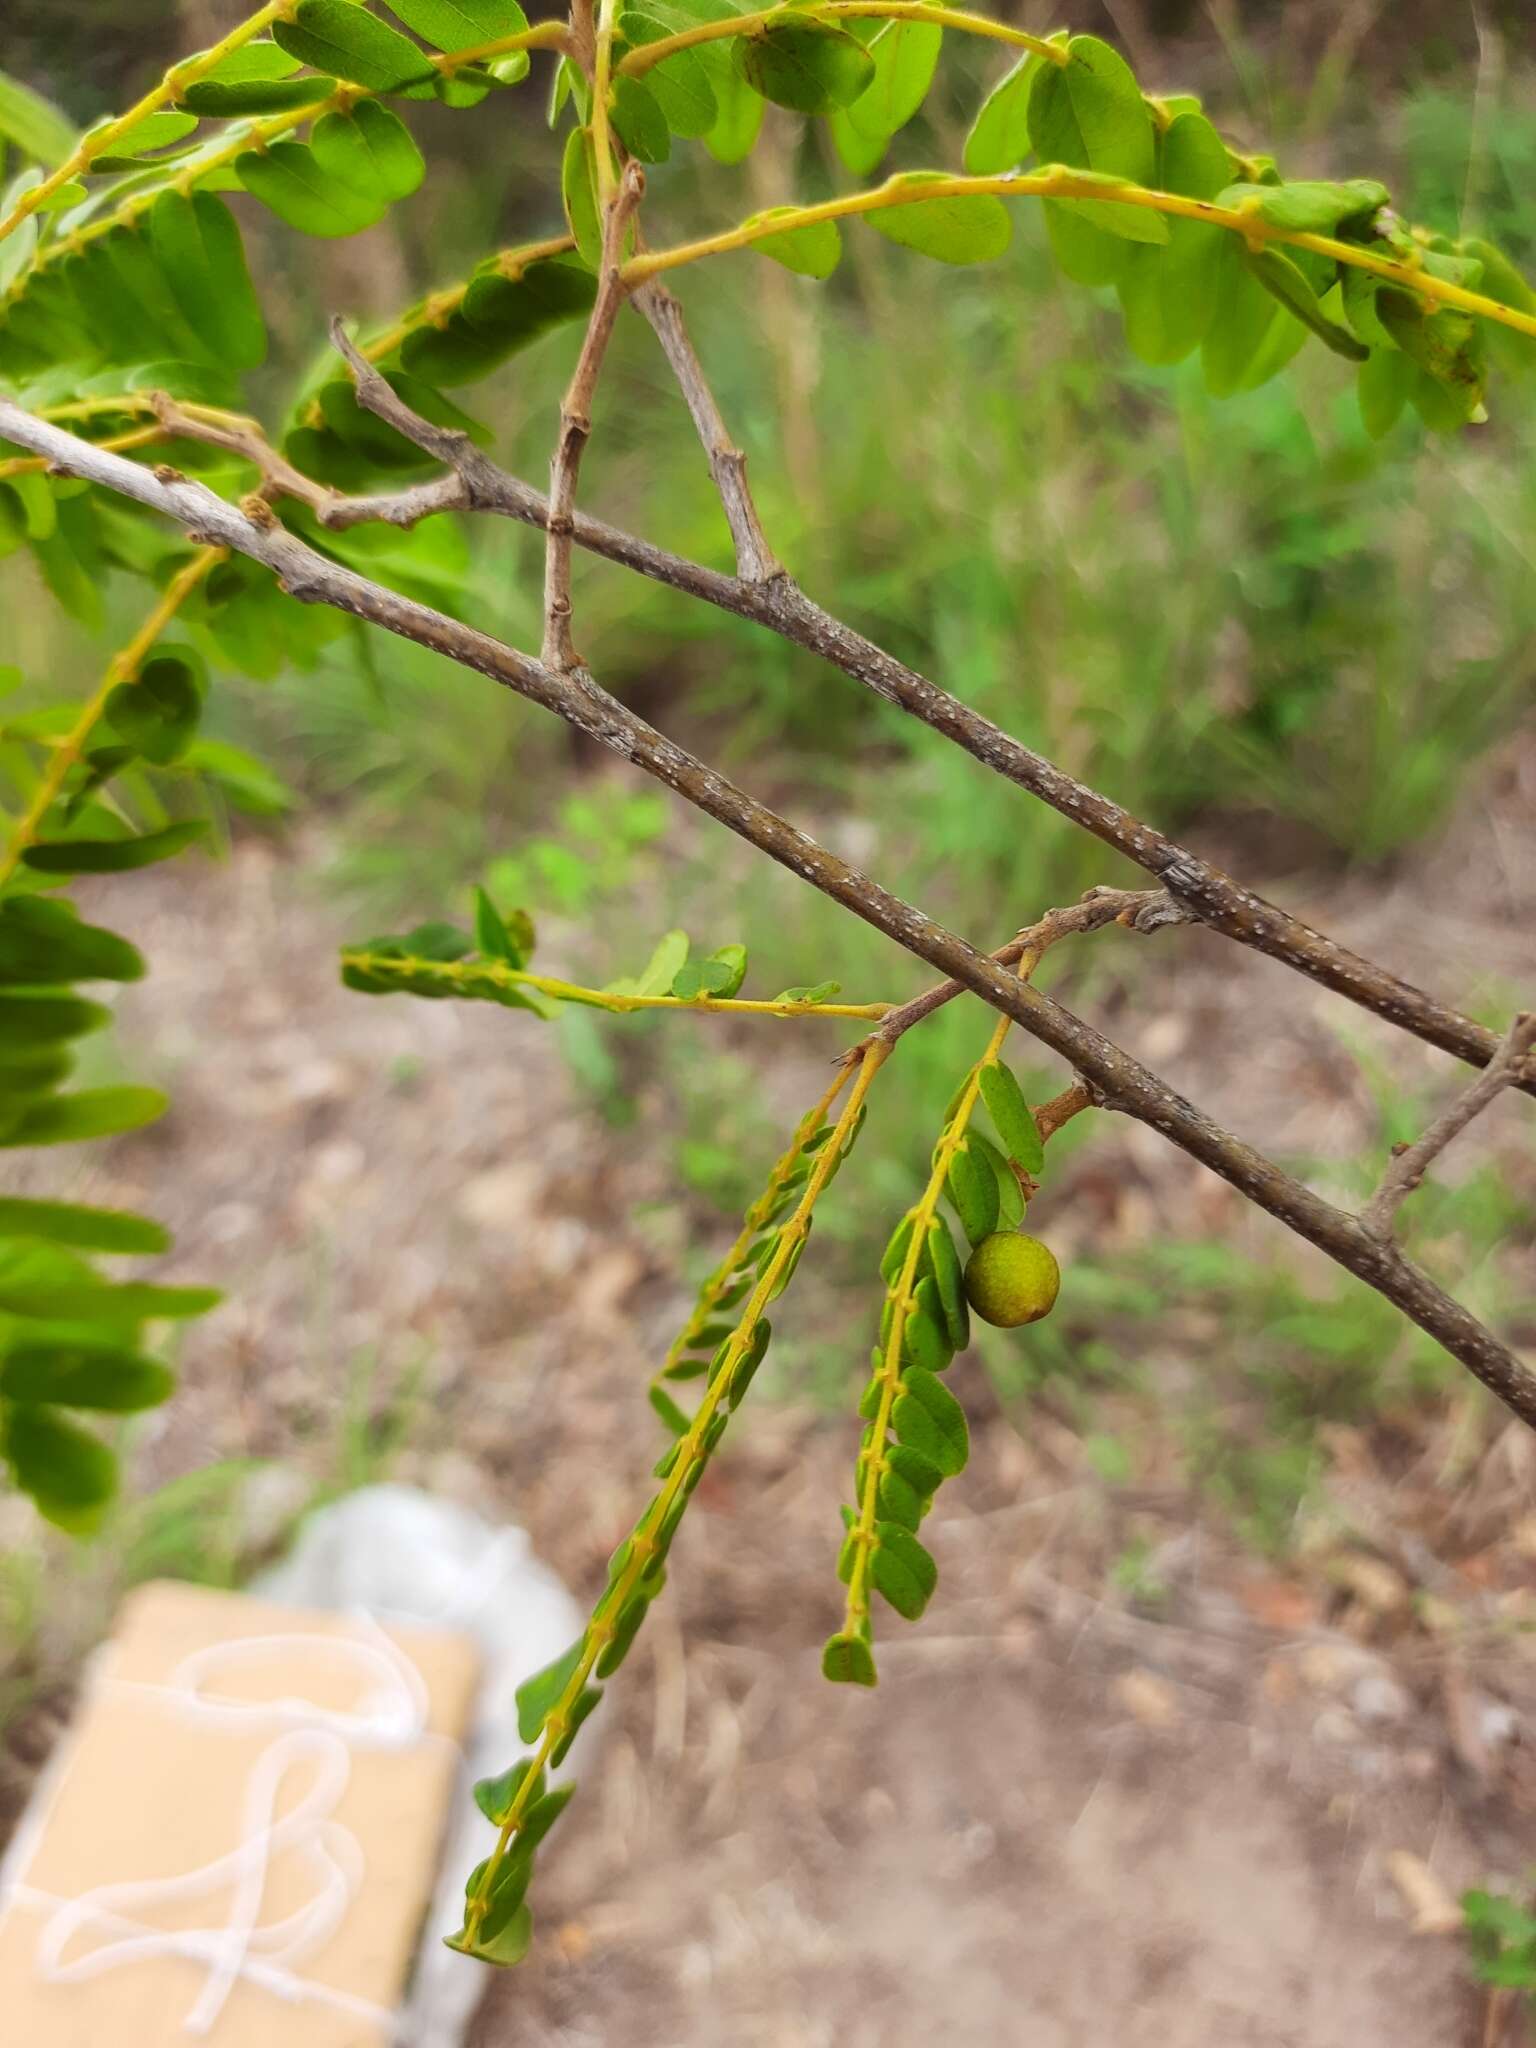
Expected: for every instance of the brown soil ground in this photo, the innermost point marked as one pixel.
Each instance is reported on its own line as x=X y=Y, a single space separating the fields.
x=1235 y=1821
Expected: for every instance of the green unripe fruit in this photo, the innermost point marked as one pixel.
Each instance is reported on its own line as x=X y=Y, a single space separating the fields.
x=1011 y=1279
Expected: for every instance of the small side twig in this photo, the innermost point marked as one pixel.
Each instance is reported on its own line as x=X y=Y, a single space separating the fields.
x=559 y=652
x=1142 y=910
x=755 y=559
x=1409 y=1163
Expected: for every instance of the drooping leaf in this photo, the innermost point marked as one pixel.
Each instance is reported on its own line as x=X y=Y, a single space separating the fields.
x=461 y=24
x=537 y=1695
x=340 y=36
x=44 y=941
x=113 y=856
x=679 y=84
x=639 y=122
x=498 y=317
x=1168 y=295
x=287 y=177
x=1011 y=1113
x=1307 y=206
x=1089 y=115
x=848 y=1660
x=1385 y=382
x=951 y=227
x=157 y=714
x=903 y=1570
x=69 y=1474
x=101 y=1230
x=370 y=149
x=198 y=247
x=905 y=54
x=111 y=1381
x=971 y=1186
x=578 y=188
x=229 y=99
x=927 y=1418
x=999 y=137
x=27 y=1021
x=807 y=65
x=34 y=124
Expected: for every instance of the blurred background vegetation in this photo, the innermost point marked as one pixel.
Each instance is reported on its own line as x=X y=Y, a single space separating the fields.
x=1244 y=620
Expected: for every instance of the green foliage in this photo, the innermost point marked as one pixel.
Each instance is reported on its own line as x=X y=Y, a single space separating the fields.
x=124 y=278
x=1501 y=1934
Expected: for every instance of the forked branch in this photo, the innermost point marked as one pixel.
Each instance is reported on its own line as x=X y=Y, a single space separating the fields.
x=1117 y=1079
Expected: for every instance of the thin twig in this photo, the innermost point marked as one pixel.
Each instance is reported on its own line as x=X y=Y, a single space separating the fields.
x=1409 y=1163
x=1097 y=908
x=1121 y=1081
x=755 y=560
x=576 y=421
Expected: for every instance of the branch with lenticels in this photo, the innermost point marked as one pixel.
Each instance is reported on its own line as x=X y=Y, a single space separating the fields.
x=1114 y=1079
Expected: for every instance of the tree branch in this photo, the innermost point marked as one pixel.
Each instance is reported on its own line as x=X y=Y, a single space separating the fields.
x=576 y=419
x=1202 y=891
x=1118 y=1080
x=755 y=560
x=1410 y=1163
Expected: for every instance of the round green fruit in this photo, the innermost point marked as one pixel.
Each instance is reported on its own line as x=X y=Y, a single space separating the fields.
x=1011 y=1279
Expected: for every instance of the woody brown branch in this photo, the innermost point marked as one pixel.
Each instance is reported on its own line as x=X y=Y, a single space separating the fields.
x=479 y=484
x=1119 y=1081
x=576 y=420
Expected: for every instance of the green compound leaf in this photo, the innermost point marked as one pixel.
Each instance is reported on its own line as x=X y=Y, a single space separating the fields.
x=98 y=1230
x=44 y=941
x=460 y=24
x=928 y=1419
x=1089 y=115
x=999 y=138
x=69 y=1474
x=287 y=177
x=198 y=247
x=811 y=251
x=340 y=36
x=804 y=64
x=1010 y=1196
x=902 y=1570
x=113 y=856
x=371 y=150
x=952 y=228
x=537 y=1695
x=848 y=1660
x=1167 y=295
x=1011 y=1114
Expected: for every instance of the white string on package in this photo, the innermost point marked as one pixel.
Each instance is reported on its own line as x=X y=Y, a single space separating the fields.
x=390 y=1712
